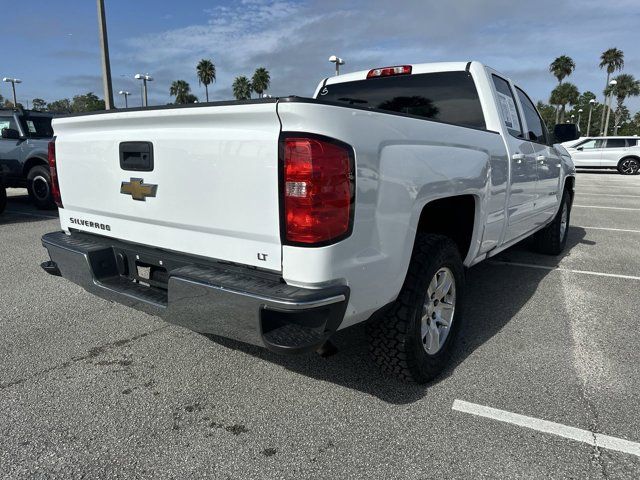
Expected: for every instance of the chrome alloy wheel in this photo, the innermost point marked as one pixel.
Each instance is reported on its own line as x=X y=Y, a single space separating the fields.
x=40 y=187
x=564 y=217
x=629 y=166
x=438 y=310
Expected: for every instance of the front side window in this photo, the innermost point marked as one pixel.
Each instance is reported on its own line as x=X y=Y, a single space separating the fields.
x=449 y=97
x=616 y=143
x=507 y=106
x=534 y=122
x=590 y=144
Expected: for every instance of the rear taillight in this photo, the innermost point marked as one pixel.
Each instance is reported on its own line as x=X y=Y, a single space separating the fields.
x=318 y=190
x=55 y=187
x=389 y=71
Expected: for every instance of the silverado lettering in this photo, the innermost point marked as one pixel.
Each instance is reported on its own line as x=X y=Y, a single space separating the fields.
x=87 y=223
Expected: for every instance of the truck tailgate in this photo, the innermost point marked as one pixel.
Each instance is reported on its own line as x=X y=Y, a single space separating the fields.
x=215 y=169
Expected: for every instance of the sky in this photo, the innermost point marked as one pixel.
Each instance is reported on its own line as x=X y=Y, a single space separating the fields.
x=53 y=47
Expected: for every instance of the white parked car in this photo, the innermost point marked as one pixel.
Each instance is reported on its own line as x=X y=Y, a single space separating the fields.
x=621 y=153
x=279 y=221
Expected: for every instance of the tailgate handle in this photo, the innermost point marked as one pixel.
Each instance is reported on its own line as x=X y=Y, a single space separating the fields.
x=136 y=156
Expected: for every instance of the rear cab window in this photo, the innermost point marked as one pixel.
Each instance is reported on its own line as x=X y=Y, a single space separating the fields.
x=507 y=106
x=449 y=97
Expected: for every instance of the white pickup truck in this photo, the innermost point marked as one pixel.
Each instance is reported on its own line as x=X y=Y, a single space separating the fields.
x=278 y=222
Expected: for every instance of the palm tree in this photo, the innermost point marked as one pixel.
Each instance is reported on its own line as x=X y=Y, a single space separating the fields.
x=260 y=81
x=242 y=88
x=206 y=71
x=562 y=67
x=563 y=94
x=611 y=59
x=626 y=87
x=182 y=91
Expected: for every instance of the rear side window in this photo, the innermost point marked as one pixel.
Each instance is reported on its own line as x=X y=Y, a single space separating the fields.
x=507 y=106
x=632 y=142
x=615 y=143
x=534 y=122
x=449 y=97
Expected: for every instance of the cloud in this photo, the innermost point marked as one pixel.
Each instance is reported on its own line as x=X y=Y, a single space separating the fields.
x=293 y=40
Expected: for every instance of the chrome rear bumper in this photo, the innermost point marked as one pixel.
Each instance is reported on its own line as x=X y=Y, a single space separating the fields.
x=226 y=300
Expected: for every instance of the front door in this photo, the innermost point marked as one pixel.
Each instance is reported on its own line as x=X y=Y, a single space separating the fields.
x=588 y=154
x=522 y=195
x=10 y=166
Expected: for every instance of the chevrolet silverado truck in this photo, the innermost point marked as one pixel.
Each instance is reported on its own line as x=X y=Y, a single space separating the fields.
x=279 y=221
x=24 y=139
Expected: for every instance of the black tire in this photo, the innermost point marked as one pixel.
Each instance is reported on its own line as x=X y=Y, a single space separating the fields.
x=39 y=187
x=629 y=166
x=395 y=339
x=552 y=239
x=3 y=198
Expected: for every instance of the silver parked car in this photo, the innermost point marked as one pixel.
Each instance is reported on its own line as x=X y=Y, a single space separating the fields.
x=621 y=153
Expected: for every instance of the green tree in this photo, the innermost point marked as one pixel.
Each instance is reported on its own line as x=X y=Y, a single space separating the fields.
x=39 y=104
x=631 y=127
x=242 y=88
x=563 y=94
x=182 y=91
x=89 y=102
x=626 y=87
x=562 y=67
x=206 y=72
x=59 y=106
x=260 y=81
x=611 y=59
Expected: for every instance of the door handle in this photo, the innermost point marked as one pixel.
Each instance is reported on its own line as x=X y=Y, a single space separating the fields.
x=518 y=157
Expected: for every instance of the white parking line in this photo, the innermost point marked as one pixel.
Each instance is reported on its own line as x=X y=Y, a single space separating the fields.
x=607 y=195
x=570 y=270
x=608 y=229
x=606 y=208
x=545 y=426
x=17 y=212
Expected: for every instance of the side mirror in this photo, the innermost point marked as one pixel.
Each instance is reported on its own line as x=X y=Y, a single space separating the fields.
x=580 y=148
x=565 y=132
x=10 y=134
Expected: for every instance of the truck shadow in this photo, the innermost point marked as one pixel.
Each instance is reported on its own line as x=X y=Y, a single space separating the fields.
x=20 y=209
x=495 y=293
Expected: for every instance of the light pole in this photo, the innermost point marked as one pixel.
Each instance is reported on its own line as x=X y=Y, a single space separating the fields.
x=13 y=82
x=104 y=48
x=612 y=84
x=145 y=78
x=126 y=95
x=572 y=118
x=579 y=116
x=592 y=102
x=338 y=61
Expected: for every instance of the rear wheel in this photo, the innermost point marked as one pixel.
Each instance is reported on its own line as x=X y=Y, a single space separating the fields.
x=414 y=340
x=629 y=166
x=553 y=238
x=39 y=186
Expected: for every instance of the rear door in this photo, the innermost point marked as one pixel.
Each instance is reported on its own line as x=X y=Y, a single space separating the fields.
x=522 y=196
x=201 y=180
x=547 y=160
x=614 y=149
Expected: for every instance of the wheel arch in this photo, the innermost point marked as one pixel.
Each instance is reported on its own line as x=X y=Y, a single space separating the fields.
x=32 y=162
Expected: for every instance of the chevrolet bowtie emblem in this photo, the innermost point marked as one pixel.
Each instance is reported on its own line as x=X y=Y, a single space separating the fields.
x=138 y=190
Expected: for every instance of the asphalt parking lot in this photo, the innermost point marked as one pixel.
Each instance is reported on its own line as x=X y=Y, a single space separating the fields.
x=93 y=389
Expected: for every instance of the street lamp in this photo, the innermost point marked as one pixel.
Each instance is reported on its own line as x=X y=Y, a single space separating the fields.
x=572 y=118
x=126 y=95
x=338 y=61
x=145 y=78
x=592 y=102
x=13 y=82
x=579 y=115
x=612 y=84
